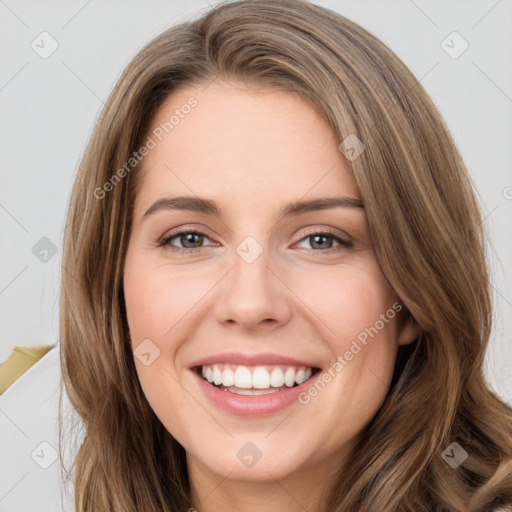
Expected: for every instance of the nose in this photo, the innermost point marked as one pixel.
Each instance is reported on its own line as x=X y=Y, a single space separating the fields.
x=254 y=295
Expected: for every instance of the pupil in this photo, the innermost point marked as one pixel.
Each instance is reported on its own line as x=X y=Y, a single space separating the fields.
x=190 y=238
x=317 y=237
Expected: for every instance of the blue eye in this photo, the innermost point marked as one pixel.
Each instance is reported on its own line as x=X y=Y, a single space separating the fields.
x=319 y=239
x=192 y=241
x=194 y=238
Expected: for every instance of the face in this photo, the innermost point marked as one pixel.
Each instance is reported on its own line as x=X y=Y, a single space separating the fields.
x=284 y=308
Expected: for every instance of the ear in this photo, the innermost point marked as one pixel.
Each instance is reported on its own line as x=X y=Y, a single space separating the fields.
x=130 y=339
x=408 y=330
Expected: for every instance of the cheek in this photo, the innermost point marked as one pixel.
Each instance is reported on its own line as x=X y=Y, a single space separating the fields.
x=355 y=310
x=163 y=305
x=348 y=300
x=157 y=300
x=158 y=306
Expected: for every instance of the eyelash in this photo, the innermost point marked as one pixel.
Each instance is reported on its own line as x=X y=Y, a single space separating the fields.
x=165 y=241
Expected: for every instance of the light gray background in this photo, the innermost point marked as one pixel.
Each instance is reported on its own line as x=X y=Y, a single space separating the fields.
x=48 y=108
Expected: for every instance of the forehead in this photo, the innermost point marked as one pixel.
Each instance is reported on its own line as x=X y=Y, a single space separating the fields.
x=242 y=143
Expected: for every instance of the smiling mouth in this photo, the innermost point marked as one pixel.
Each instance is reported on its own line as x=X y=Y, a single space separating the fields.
x=255 y=380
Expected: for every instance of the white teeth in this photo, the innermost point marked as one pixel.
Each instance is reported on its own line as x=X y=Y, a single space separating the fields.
x=260 y=378
x=217 y=375
x=255 y=378
x=243 y=377
x=277 y=378
x=228 y=377
x=299 y=376
x=289 y=377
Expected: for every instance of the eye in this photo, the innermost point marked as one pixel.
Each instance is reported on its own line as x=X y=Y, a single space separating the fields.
x=323 y=240
x=190 y=240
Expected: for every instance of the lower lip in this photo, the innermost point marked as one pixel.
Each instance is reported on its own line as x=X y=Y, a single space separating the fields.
x=253 y=406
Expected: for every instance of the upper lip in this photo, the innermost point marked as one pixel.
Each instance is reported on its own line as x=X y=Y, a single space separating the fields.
x=255 y=359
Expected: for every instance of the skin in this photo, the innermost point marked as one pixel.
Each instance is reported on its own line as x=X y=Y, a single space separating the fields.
x=253 y=150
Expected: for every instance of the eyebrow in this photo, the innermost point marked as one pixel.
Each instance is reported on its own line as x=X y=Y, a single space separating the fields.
x=210 y=207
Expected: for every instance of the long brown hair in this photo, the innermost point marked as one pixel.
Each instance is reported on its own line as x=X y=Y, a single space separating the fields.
x=427 y=235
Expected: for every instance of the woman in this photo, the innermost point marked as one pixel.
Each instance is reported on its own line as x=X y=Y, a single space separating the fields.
x=319 y=345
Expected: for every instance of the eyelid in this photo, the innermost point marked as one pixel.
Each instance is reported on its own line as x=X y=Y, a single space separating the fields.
x=327 y=230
